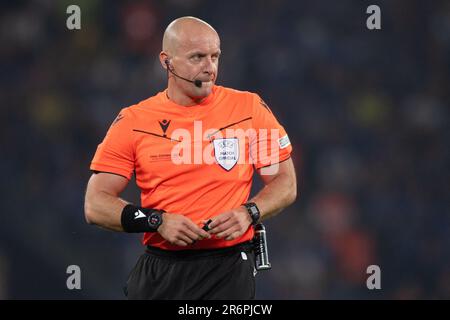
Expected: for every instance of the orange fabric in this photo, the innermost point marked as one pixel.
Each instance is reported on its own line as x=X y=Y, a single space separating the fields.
x=146 y=137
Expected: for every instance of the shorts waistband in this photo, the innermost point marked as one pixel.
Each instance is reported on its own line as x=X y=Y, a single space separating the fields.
x=198 y=253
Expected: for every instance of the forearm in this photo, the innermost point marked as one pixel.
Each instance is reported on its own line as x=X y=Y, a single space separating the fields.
x=275 y=196
x=104 y=210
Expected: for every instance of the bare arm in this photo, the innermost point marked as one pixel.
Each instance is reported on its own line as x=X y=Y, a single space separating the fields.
x=102 y=205
x=280 y=191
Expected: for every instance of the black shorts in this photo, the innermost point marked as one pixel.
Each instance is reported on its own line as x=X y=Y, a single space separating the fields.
x=217 y=274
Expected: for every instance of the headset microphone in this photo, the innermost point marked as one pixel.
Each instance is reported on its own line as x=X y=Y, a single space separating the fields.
x=198 y=83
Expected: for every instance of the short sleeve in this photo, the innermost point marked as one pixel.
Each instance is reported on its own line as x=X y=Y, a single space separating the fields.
x=271 y=143
x=116 y=153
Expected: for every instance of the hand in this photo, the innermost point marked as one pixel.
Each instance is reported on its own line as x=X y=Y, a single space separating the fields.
x=231 y=224
x=180 y=230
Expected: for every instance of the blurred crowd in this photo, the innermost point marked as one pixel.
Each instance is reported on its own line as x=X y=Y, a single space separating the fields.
x=367 y=112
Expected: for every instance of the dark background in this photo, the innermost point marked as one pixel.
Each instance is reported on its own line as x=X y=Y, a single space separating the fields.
x=367 y=113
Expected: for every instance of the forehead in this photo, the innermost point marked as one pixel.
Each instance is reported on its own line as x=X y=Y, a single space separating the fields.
x=206 y=42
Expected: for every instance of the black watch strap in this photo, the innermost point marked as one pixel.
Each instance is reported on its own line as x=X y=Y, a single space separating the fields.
x=253 y=211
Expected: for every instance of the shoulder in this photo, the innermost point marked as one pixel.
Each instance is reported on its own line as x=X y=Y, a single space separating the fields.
x=247 y=97
x=136 y=111
x=230 y=92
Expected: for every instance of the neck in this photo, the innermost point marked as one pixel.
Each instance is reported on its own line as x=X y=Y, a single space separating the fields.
x=179 y=98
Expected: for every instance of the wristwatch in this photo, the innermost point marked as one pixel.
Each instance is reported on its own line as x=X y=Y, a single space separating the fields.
x=253 y=211
x=155 y=220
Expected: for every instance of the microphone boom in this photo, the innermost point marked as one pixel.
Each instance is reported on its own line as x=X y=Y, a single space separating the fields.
x=198 y=83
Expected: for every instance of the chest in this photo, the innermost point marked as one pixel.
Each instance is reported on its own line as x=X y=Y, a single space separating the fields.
x=216 y=148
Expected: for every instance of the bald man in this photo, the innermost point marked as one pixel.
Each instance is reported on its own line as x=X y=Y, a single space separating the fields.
x=187 y=45
x=193 y=149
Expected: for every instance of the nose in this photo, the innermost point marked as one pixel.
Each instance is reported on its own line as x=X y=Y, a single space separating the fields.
x=208 y=67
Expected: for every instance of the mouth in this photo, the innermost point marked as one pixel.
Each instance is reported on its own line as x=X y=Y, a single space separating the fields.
x=208 y=81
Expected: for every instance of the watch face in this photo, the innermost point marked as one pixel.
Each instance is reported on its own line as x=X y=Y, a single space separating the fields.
x=154 y=220
x=253 y=211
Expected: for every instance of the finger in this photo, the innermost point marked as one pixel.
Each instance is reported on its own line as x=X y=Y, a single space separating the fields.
x=222 y=227
x=197 y=230
x=219 y=219
x=180 y=243
x=185 y=238
x=192 y=235
x=227 y=232
x=233 y=236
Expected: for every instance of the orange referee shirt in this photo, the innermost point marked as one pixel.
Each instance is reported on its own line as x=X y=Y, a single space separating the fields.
x=197 y=161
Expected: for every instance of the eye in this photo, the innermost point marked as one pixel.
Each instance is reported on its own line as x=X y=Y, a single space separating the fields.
x=196 y=57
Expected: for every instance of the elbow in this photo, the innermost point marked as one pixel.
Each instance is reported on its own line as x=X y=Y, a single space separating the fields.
x=292 y=196
x=89 y=215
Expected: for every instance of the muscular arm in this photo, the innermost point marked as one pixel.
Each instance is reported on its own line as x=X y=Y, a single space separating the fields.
x=280 y=190
x=102 y=205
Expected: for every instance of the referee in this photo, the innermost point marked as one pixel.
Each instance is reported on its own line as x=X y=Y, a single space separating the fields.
x=193 y=149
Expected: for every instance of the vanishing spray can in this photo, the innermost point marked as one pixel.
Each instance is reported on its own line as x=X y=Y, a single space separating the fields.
x=260 y=245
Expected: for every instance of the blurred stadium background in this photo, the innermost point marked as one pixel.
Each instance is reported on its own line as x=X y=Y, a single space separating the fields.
x=366 y=111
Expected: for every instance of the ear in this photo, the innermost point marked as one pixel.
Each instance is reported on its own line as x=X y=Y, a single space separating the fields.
x=163 y=57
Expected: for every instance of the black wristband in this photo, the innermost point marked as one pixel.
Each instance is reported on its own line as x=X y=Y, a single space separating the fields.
x=137 y=219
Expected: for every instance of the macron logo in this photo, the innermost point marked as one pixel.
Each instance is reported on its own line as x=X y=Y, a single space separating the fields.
x=139 y=214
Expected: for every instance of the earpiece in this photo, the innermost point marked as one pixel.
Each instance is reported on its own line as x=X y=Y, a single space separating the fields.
x=166 y=61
